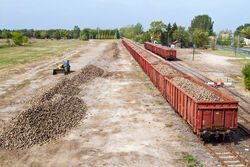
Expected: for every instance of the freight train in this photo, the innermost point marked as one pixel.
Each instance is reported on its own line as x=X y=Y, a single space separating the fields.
x=207 y=118
x=161 y=50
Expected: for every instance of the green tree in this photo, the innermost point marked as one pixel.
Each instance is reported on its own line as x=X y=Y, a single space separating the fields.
x=246 y=32
x=241 y=27
x=6 y=34
x=17 y=38
x=43 y=34
x=7 y=42
x=181 y=35
x=25 y=39
x=56 y=35
x=76 y=32
x=37 y=34
x=156 y=30
x=202 y=22
x=83 y=36
x=200 y=38
x=246 y=73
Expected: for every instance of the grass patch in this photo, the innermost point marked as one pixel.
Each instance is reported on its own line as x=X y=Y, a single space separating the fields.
x=35 y=51
x=190 y=161
x=228 y=53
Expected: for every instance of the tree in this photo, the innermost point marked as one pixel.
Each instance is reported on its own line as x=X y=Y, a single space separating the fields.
x=131 y=31
x=6 y=34
x=156 y=30
x=225 y=37
x=202 y=22
x=17 y=38
x=181 y=35
x=56 y=35
x=241 y=27
x=25 y=39
x=246 y=73
x=83 y=36
x=37 y=34
x=7 y=42
x=76 y=32
x=43 y=34
x=200 y=38
x=246 y=32
x=138 y=29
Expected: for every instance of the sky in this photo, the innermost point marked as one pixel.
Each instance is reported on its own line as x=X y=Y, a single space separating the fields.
x=109 y=14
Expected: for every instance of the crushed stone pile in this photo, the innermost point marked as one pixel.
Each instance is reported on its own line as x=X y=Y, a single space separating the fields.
x=51 y=115
x=166 y=70
x=200 y=93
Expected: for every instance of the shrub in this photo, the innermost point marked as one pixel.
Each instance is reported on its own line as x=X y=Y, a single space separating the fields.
x=7 y=42
x=84 y=37
x=25 y=39
x=17 y=38
x=246 y=73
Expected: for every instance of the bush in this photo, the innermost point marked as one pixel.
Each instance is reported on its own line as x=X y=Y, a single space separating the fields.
x=8 y=42
x=246 y=73
x=84 y=37
x=25 y=39
x=17 y=38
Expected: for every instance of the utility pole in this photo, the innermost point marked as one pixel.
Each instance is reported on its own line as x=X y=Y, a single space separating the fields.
x=238 y=41
x=168 y=38
x=234 y=46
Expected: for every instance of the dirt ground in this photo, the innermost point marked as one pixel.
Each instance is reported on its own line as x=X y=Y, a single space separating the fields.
x=127 y=123
x=218 y=68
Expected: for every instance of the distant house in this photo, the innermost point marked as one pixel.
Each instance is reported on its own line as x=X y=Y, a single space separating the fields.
x=247 y=41
x=211 y=38
x=177 y=44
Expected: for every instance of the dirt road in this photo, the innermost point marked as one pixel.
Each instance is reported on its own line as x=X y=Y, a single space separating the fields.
x=127 y=123
x=13 y=98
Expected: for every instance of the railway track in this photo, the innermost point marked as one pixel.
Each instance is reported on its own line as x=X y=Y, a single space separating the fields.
x=226 y=156
x=221 y=151
x=224 y=153
x=242 y=102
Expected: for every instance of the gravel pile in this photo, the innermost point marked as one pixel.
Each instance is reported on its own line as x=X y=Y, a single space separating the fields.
x=198 y=92
x=51 y=115
x=166 y=70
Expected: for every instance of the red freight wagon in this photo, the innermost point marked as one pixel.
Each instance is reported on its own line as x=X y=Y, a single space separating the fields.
x=205 y=117
x=161 y=50
x=158 y=78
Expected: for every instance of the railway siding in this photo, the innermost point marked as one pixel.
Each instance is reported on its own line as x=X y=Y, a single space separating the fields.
x=223 y=152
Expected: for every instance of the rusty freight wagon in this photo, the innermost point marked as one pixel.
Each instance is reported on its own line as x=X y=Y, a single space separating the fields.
x=206 y=117
x=161 y=50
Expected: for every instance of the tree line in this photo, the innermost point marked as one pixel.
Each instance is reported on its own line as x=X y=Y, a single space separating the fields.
x=200 y=32
x=21 y=36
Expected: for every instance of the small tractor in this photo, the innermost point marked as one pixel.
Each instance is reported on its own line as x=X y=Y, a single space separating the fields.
x=64 y=67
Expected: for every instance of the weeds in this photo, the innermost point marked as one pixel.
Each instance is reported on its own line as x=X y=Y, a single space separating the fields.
x=190 y=160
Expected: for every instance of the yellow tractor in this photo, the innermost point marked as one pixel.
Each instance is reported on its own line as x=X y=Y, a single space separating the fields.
x=64 y=67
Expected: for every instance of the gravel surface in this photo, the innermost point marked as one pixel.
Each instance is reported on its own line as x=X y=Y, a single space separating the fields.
x=166 y=70
x=51 y=114
x=198 y=92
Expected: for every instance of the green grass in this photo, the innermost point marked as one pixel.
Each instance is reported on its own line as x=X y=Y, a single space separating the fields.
x=228 y=53
x=35 y=51
x=190 y=160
